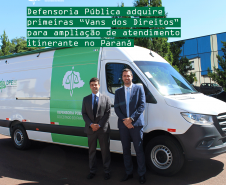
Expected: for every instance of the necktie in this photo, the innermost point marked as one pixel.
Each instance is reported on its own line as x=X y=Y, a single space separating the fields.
x=95 y=107
x=127 y=101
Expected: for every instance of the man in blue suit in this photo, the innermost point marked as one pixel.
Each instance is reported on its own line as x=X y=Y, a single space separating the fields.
x=129 y=106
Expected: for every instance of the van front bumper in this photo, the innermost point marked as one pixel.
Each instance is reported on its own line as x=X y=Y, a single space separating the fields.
x=203 y=141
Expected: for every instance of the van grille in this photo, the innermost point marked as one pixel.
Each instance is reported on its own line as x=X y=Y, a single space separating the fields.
x=222 y=121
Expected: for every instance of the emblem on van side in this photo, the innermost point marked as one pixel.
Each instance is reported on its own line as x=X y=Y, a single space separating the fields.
x=72 y=80
x=2 y=85
x=7 y=83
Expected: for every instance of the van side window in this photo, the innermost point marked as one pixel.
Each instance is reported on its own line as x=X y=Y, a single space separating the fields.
x=114 y=80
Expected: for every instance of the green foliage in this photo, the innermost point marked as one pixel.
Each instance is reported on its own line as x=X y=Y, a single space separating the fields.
x=21 y=45
x=17 y=45
x=182 y=64
x=5 y=47
x=2 y=85
x=219 y=75
x=122 y=5
x=159 y=45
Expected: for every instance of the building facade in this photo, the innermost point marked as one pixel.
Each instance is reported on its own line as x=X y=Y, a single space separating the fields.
x=202 y=52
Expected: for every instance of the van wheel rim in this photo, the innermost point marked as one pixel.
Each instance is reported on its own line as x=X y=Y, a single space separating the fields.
x=18 y=137
x=161 y=157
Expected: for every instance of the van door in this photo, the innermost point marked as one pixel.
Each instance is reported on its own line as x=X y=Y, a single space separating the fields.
x=110 y=80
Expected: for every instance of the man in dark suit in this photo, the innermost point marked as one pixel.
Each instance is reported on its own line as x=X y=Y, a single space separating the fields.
x=129 y=106
x=96 y=109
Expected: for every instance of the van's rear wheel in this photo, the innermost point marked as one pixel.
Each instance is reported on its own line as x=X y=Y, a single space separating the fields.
x=164 y=155
x=19 y=136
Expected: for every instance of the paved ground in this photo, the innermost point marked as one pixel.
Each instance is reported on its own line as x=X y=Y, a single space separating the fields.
x=50 y=164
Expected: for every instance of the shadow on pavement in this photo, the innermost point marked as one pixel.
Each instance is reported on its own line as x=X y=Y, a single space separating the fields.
x=193 y=172
x=51 y=164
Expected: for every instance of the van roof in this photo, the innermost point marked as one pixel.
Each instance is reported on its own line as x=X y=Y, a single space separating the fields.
x=135 y=53
x=31 y=52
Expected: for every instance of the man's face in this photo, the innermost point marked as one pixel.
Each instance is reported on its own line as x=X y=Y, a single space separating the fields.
x=127 y=78
x=94 y=86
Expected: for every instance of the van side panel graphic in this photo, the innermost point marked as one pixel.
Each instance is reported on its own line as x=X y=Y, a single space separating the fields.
x=2 y=85
x=71 y=71
x=72 y=140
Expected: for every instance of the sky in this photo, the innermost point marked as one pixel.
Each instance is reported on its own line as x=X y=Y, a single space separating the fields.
x=198 y=17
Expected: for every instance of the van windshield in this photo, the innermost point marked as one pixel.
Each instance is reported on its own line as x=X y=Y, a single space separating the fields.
x=165 y=78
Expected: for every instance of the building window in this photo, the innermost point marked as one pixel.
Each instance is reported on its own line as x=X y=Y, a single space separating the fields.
x=192 y=65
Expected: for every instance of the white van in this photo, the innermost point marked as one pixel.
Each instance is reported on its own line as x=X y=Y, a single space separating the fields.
x=41 y=95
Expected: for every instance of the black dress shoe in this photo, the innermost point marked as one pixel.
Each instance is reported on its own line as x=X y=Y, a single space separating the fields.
x=127 y=177
x=107 y=176
x=91 y=175
x=142 y=179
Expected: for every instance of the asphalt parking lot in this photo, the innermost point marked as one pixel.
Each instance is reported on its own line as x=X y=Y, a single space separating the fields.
x=50 y=164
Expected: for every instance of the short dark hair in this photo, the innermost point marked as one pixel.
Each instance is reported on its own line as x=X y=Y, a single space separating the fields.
x=94 y=79
x=127 y=70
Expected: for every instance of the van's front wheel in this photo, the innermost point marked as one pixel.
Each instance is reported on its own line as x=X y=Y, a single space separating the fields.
x=164 y=155
x=19 y=137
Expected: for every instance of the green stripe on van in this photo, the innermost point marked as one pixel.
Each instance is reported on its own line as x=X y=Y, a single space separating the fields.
x=72 y=69
x=72 y=140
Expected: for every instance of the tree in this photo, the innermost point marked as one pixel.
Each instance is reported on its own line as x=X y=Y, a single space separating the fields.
x=116 y=17
x=219 y=75
x=8 y=47
x=17 y=45
x=16 y=42
x=5 y=47
x=21 y=45
x=147 y=42
x=159 y=45
x=182 y=64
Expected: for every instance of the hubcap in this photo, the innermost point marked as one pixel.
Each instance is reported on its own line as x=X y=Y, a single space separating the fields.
x=18 y=137
x=161 y=157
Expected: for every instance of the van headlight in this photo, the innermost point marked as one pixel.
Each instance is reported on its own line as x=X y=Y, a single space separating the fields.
x=198 y=118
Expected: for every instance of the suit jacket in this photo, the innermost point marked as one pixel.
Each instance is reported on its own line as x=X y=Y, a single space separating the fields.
x=102 y=116
x=136 y=106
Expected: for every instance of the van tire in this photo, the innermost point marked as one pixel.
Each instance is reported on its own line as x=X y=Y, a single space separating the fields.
x=20 y=138
x=164 y=155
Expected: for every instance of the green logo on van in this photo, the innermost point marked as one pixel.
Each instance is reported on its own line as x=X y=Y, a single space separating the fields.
x=2 y=85
x=72 y=80
x=7 y=83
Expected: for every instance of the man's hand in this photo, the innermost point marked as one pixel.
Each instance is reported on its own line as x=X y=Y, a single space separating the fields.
x=129 y=126
x=94 y=127
x=128 y=123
